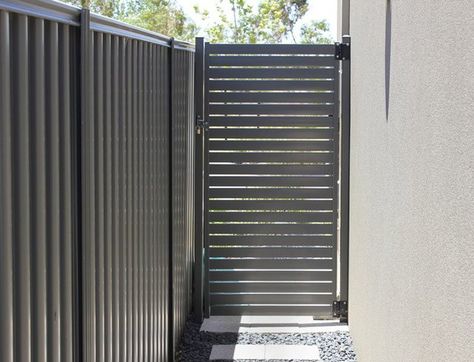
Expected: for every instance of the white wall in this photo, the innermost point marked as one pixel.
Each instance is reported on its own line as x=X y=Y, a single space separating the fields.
x=412 y=182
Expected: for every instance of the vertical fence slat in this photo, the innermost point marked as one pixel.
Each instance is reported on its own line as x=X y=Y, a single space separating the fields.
x=166 y=261
x=154 y=205
x=140 y=183
x=53 y=190
x=130 y=143
x=122 y=170
x=66 y=196
x=99 y=191
x=146 y=200
x=107 y=199
x=39 y=248
x=116 y=211
x=21 y=190
x=6 y=188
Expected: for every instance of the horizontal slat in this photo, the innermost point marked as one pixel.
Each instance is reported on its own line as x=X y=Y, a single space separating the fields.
x=271 y=181
x=286 y=240
x=274 y=192
x=270 y=204
x=271 y=287
x=270 y=49
x=273 y=97
x=269 y=73
x=318 y=311
x=272 y=133
x=290 y=109
x=270 y=157
x=271 y=299
x=271 y=252
x=285 y=85
x=313 y=145
x=270 y=228
x=272 y=169
x=283 y=121
x=269 y=60
x=272 y=216
x=271 y=263
x=253 y=275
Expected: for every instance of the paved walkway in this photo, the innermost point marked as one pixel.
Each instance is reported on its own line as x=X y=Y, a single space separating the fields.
x=273 y=338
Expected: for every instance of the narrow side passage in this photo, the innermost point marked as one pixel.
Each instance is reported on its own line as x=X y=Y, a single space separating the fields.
x=281 y=338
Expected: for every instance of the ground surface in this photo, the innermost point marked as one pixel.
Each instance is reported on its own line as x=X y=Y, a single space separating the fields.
x=196 y=345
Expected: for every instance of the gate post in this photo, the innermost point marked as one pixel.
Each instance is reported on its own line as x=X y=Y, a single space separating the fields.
x=198 y=280
x=345 y=113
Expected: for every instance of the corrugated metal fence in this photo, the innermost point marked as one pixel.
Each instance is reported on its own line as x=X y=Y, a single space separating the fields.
x=96 y=188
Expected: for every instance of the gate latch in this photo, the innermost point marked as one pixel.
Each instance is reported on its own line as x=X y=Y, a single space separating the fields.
x=201 y=124
x=343 y=51
x=339 y=310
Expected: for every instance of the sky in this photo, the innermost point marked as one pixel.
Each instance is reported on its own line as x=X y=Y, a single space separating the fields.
x=318 y=10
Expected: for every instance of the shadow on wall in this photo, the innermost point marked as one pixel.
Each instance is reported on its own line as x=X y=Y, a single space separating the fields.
x=388 y=55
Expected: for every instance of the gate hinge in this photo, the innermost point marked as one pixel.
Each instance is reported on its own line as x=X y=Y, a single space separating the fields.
x=339 y=310
x=201 y=124
x=343 y=51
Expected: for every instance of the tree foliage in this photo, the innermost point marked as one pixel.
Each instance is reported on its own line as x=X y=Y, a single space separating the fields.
x=109 y=8
x=161 y=16
x=268 y=21
x=315 y=32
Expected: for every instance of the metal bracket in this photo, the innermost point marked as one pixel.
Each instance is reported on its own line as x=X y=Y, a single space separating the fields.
x=339 y=310
x=343 y=51
x=201 y=124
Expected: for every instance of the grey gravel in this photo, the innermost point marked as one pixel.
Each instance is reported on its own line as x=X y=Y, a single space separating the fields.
x=196 y=346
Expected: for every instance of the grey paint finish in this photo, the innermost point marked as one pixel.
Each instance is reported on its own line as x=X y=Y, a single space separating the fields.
x=252 y=133
x=183 y=186
x=412 y=183
x=37 y=197
x=128 y=138
x=6 y=220
x=198 y=280
x=62 y=83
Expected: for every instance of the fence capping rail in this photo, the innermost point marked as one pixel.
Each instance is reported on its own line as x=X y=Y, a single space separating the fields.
x=69 y=14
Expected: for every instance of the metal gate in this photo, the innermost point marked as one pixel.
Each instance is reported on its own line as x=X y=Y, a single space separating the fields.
x=271 y=179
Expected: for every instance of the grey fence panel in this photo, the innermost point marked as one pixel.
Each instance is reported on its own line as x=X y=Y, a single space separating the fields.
x=38 y=119
x=128 y=134
x=130 y=127
x=85 y=168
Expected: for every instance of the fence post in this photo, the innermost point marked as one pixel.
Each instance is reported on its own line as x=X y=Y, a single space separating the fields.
x=85 y=316
x=198 y=282
x=171 y=312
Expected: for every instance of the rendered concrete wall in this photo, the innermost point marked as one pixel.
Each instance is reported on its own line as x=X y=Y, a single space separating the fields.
x=412 y=181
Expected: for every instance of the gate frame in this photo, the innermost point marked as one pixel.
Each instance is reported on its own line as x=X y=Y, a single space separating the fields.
x=201 y=300
x=341 y=310
x=343 y=34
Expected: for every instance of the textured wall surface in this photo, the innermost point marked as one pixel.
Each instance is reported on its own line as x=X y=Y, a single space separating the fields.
x=412 y=181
